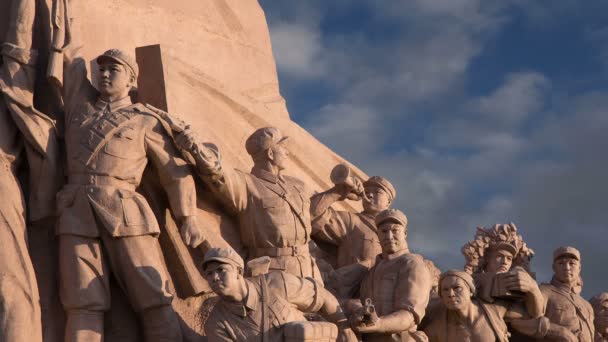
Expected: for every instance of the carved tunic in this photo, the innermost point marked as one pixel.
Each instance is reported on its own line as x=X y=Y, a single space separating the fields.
x=108 y=147
x=354 y=234
x=400 y=281
x=286 y=296
x=274 y=218
x=569 y=310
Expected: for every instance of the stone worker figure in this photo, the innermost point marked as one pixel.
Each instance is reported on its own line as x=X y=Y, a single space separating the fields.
x=461 y=317
x=354 y=234
x=398 y=286
x=261 y=307
x=600 y=310
x=499 y=261
x=106 y=227
x=273 y=209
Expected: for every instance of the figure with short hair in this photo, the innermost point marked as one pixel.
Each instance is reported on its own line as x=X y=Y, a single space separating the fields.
x=106 y=228
x=268 y=306
x=462 y=317
x=273 y=209
x=353 y=234
x=600 y=310
x=398 y=286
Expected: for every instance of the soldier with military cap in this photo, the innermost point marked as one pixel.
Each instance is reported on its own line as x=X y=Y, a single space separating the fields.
x=354 y=234
x=564 y=306
x=568 y=317
x=399 y=285
x=105 y=226
x=260 y=308
x=273 y=209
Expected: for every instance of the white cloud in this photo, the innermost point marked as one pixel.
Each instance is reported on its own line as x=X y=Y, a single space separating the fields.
x=297 y=50
x=521 y=95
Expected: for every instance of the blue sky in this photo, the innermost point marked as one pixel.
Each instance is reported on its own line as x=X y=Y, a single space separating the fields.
x=478 y=111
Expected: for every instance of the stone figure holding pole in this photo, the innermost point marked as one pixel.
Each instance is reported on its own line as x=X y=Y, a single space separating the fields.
x=105 y=227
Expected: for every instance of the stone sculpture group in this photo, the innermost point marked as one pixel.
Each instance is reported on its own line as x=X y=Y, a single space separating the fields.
x=310 y=272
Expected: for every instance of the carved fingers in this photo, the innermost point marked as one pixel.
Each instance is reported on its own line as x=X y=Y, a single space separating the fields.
x=186 y=139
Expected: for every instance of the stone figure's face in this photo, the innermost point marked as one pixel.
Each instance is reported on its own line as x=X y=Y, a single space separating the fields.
x=499 y=261
x=601 y=317
x=377 y=199
x=223 y=278
x=567 y=270
x=280 y=155
x=115 y=80
x=392 y=237
x=455 y=293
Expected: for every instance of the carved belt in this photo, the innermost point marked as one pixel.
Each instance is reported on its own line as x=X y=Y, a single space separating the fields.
x=280 y=251
x=83 y=179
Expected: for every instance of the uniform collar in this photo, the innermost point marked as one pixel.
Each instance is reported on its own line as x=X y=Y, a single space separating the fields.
x=266 y=175
x=395 y=255
x=567 y=288
x=113 y=106
x=250 y=303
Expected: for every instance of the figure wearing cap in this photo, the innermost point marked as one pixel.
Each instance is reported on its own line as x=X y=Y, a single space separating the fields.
x=273 y=209
x=567 y=316
x=266 y=306
x=398 y=285
x=354 y=234
x=600 y=309
x=105 y=227
x=460 y=316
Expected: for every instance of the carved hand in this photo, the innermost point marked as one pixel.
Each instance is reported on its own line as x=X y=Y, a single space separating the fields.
x=520 y=281
x=186 y=139
x=370 y=327
x=191 y=234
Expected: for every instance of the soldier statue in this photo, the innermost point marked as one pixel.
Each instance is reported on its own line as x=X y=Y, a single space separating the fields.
x=354 y=234
x=398 y=286
x=260 y=308
x=105 y=227
x=273 y=209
